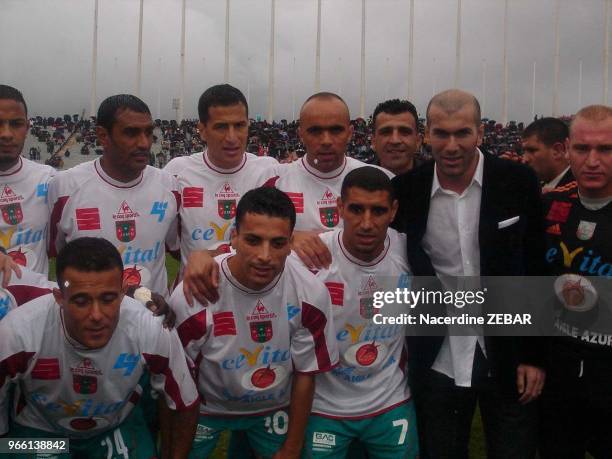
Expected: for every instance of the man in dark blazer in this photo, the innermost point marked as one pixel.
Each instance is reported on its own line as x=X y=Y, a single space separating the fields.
x=544 y=150
x=471 y=214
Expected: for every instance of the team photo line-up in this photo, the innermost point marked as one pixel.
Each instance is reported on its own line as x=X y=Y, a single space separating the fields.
x=267 y=330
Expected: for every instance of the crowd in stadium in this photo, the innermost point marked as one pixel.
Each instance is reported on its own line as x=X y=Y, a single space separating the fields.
x=286 y=235
x=279 y=140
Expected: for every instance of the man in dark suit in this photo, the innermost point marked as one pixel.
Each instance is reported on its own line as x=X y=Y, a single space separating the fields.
x=544 y=151
x=470 y=214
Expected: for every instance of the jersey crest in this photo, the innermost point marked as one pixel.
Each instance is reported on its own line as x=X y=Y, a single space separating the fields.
x=226 y=208
x=84 y=377
x=366 y=307
x=226 y=201
x=261 y=331
x=329 y=216
x=328 y=210
x=260 y=323
x=12 y=213
x=125 y=230
x=125 y=223
x=366 y=300
x=585 y=230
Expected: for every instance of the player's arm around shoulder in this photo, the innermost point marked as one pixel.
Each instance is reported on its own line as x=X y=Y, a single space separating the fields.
x=18 y=350
x=171 y=375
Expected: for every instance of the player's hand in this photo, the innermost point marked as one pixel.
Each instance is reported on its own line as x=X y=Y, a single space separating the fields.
x=529 y=382
x=308 y=246
x=160 y=307
x=7 y=268
x=155 y=303
x=201 y=278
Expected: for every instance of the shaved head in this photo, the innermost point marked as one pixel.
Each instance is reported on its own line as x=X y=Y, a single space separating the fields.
x=325 y=130
x=593 y=113
x=324 y=96
x=452 y=101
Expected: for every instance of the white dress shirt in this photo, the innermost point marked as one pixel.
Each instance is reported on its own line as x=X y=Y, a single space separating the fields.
x=554 y=182
x=451 y=241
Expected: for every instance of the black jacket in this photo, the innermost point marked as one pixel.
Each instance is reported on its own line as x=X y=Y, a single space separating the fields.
x=508 y=190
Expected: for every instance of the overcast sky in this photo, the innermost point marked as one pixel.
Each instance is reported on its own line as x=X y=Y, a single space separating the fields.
x=47 y=52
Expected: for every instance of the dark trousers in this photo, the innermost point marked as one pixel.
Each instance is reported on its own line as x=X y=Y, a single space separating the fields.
x=444 y=419
x=576 y=406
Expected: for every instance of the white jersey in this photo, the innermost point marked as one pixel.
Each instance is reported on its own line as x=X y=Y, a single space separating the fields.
x=371 y=377
x=210 y=196
x=31 y=285
x=315 y=193
x=247 y=345
x=139 y=218
x=25 y=213
x=73 y=391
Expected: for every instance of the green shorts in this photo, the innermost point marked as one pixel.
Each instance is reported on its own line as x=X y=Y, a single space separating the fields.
x=130 y=440
x=265 y=433
x=390 y=435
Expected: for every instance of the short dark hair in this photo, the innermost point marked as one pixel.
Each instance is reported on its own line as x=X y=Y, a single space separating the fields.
x=367 y=178
x=267 y=201
x=88 y=254
x=548 y=130
x=222 y=95
x=10 y=93
x=396 y=107
x=107 y=112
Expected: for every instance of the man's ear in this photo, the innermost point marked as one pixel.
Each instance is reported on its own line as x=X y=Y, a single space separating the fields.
x=59 y=298
x=394 y=207
x=340 y=206
x=559 y=150
x=481 y=129
x=201 y=129
x=103 y=136
x=233 y=237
